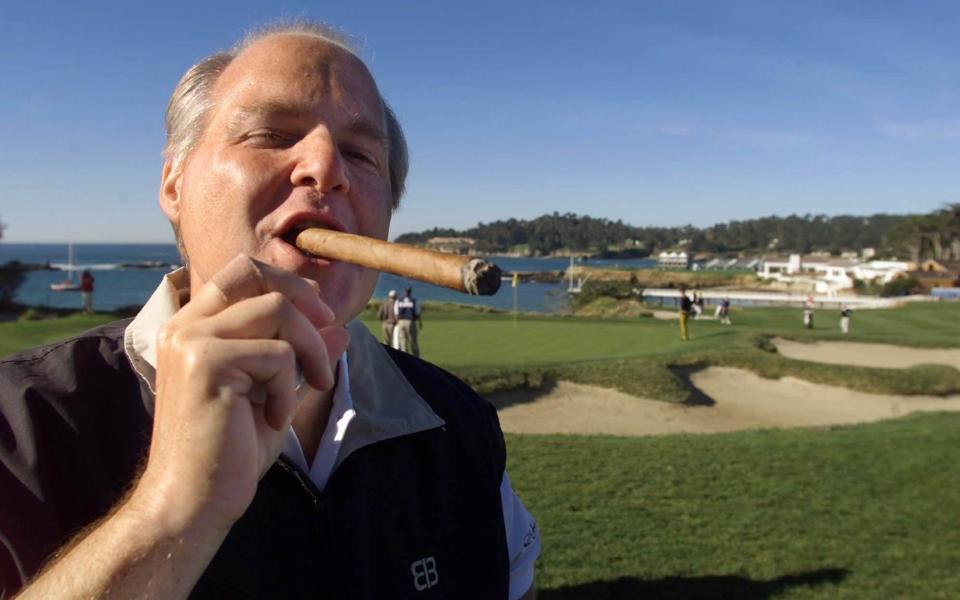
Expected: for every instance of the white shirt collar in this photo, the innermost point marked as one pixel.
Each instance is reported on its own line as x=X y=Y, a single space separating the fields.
x=341 y=413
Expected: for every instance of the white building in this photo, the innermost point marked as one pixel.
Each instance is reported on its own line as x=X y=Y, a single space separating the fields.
x=881 y=270
x=673 y=260
x=824 y=274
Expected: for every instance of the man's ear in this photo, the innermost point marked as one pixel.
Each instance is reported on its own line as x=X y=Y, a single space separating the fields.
x=170 y=192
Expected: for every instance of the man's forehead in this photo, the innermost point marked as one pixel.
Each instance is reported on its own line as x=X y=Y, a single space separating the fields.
x=298 y=65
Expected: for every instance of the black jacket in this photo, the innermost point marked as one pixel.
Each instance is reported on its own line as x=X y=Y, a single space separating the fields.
x=414 y=516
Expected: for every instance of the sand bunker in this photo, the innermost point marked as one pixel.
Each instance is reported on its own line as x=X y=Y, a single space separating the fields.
x=742 y=401
x=868 y=355
x=672 y=315
x=666 y=315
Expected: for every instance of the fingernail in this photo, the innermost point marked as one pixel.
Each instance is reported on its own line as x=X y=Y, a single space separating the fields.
x=328 y=314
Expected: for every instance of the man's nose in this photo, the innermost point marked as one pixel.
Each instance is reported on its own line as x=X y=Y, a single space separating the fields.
x=320 y=164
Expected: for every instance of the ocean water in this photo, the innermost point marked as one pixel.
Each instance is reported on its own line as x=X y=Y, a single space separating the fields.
x=117 y=285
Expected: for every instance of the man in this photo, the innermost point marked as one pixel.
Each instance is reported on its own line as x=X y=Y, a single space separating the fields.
x=407 y=311
x=725 y=312
x=808 y=307
x=845 y=319
x=387 y=317
x=686 y=306
x=86 y=291
x=244 y=436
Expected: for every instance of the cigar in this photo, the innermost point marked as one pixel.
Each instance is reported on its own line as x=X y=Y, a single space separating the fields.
x=462 y=273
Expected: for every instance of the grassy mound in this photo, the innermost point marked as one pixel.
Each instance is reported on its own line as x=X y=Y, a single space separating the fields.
x=612 y=307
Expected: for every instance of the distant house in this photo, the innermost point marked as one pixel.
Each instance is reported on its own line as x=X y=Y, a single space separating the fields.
x=940 y=266
x=883 y=271
x=451 y=245
x=823 y=274
x=673 y=260
x=933 y=274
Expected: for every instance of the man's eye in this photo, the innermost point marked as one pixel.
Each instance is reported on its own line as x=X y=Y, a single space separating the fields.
x=359 y=155
x=270 y=138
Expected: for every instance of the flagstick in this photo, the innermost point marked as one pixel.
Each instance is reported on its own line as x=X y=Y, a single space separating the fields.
x=516 y=285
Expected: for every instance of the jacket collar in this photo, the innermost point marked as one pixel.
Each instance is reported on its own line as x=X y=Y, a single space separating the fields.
x=385 y=402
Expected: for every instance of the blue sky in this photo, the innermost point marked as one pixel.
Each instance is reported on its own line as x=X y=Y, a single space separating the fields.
x=657 y=113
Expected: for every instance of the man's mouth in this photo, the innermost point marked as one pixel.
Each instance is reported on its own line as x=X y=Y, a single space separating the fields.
x=290 y=236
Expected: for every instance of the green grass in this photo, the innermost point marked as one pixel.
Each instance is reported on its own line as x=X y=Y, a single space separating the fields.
x=845 y=512
x=16 y=336
x=849 y=512
x=635 y=355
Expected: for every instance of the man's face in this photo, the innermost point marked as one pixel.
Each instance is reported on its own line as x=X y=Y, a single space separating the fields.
x=296 y=137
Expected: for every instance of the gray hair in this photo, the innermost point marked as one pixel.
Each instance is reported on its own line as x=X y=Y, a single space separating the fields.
x=190 y=104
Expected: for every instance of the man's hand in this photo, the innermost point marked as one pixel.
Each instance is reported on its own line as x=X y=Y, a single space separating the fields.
x=227 y=372
x=226 y=376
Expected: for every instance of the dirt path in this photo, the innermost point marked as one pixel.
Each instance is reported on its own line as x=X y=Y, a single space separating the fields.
x=742 y=401
x=867 y=355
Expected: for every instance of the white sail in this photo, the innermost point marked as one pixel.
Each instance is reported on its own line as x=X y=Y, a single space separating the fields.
x=68 y=285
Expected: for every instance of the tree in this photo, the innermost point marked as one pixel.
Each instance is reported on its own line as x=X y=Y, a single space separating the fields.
x=936 y=235
x=12 y=274
x=901 y=286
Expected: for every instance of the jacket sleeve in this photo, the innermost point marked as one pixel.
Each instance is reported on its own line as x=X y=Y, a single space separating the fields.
x=27 y=522
x=73 y=430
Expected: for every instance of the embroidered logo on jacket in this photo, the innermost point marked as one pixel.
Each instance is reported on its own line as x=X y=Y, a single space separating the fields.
x=425 y=574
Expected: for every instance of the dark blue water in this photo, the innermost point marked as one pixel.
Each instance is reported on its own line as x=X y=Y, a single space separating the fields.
x=117 y=286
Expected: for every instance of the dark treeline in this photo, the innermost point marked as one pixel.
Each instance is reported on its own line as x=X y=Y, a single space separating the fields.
x=936 y=235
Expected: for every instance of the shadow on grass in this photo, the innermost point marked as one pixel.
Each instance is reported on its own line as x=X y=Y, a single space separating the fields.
x=695 y=396
x=684 y=588
x=502 y=400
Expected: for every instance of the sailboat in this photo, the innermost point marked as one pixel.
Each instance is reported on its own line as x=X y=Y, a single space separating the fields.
x=67 y=285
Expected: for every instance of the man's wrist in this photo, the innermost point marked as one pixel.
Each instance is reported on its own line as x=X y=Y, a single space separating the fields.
x=166 y=515
x=142 y=549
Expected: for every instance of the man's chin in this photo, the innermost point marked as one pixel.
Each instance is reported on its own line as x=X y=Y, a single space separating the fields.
x=345 y=290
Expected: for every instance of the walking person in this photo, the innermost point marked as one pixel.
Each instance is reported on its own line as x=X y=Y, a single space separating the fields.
x=845 y=318
x=685 y=307
x=698 y=304
x=725 y=312
x=387 y=316
x=86 y=291
x=808 y=312
x=408 y=317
